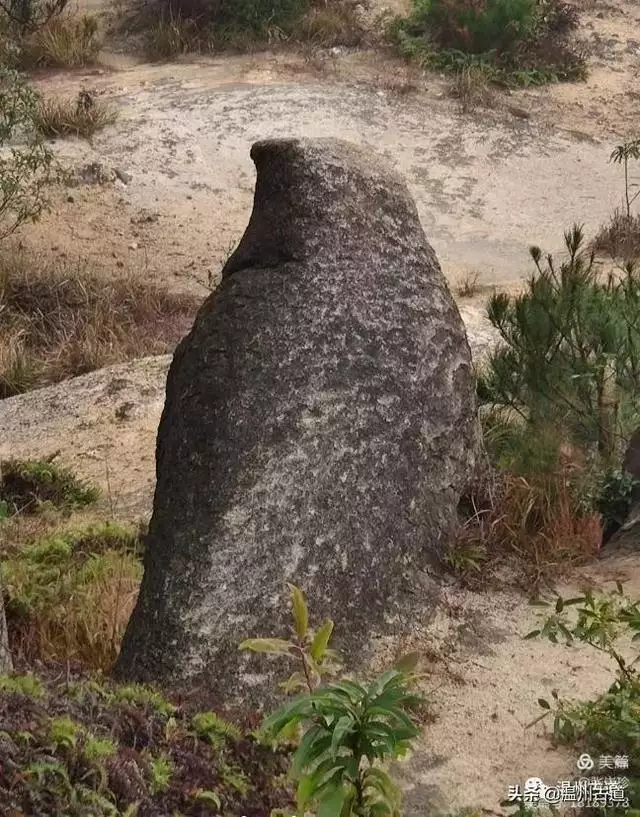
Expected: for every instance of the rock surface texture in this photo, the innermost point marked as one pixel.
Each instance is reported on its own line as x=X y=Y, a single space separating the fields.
x=318 y=429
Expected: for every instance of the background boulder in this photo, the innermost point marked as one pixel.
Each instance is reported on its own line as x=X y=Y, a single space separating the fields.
x=318 y=428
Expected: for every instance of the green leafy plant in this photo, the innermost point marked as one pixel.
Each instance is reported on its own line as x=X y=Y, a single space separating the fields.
x=349 y=729
x=25 y=166
x=610 y=724
x=310 y=648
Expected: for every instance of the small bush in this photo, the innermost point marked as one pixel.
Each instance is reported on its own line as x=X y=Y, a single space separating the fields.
x=64 y=42
x=25 y=486
x=520 y=42
x=222 y=23
x=570 y=356
x=69 y=596
x=335 y=24
x=83 y=116
x=620 y=238
x=59 y=322
x=476 y=27
x=173 y=36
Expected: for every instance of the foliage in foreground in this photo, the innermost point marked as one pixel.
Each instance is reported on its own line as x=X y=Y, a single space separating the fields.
x=610 y=724
x=349 y=728
x=520 y=42
x=25 y=167
x=95 y=748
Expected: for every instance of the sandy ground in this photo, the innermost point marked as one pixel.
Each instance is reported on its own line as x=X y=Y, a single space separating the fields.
x=487 y=185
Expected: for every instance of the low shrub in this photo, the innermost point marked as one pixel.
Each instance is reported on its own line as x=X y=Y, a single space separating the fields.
x=609 y=725
x=620 y=238
x=69 y=596
x=62 y=40
x=83 y=116
x=520 y=42
x=570 y=356
x=26 y=486
x=70 y=41
x=26 y=163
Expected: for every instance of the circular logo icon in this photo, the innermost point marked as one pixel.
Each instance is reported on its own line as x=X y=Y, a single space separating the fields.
x=585 y=762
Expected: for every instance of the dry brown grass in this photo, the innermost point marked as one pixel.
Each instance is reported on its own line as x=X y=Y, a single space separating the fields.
x=471 y=87
x=173 y=35
x=469 y=286
x=83 y=116
x=58 y=322
x=68 y=41
x=535 y=522
x=331 y=25
x=69 y=595
x=620 y=238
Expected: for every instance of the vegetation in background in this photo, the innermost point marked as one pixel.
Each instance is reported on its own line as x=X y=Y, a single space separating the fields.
x=571 y=352
x=178 y=26
x=43 y=33
x=620 y=238
x=609 y=724
x=60 y=322
x=558 y=402
x=520 y=42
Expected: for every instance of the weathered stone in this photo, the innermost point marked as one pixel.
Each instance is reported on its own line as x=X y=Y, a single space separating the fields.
x=318 y=428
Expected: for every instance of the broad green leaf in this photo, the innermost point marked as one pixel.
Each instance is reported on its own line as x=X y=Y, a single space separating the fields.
x=300 y=611
x=332 y=803
x=271 y=645
x=352 y=691
x=532 y=634
x=544 y=704
x=342 y=728
x=312 y=746
x=321 y=640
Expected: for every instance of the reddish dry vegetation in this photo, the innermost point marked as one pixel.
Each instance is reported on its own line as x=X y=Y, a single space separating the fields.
x=68 y=747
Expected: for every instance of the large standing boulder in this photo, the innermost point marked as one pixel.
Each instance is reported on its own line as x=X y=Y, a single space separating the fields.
x=318 y=429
